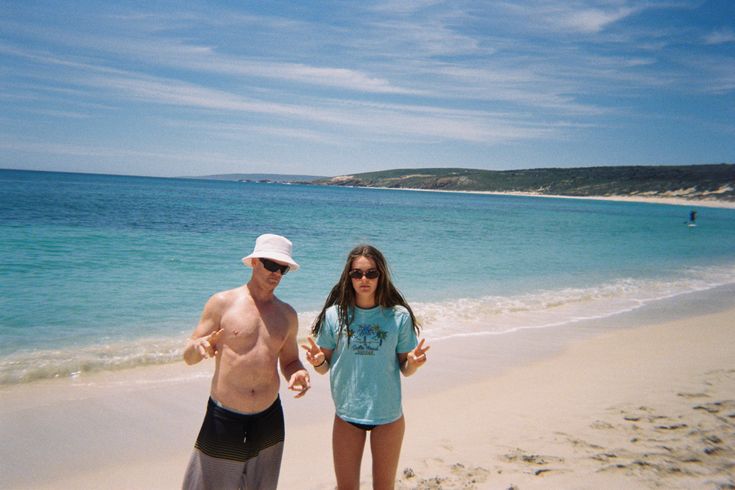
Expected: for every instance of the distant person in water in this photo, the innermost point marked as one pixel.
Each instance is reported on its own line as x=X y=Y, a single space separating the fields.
x=366 y=336
x=247 y=330
x=692 y=216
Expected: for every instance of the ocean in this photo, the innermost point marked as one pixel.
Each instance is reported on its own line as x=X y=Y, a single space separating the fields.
x=101 y=272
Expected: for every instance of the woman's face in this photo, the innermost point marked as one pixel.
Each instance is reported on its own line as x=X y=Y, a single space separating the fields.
x=364 y=287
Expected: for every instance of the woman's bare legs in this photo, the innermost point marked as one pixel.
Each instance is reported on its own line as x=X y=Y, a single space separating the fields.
x=385 y=446
x=348 y=443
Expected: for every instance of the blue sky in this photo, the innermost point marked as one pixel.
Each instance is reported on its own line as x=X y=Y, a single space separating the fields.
x=330 y=88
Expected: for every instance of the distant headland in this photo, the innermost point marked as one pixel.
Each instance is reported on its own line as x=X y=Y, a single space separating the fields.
x=687 y=183
x=262 y=178
x=710 y=184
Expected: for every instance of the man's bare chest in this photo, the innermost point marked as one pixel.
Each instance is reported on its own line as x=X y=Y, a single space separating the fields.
x=244 y=329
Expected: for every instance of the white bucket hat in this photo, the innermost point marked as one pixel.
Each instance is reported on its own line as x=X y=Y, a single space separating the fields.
x=274 y=247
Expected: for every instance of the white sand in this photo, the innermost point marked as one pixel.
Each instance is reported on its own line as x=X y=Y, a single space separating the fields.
x=676 y=199
x=634 y=408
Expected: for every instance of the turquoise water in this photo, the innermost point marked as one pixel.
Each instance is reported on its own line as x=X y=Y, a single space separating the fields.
x=102 y=272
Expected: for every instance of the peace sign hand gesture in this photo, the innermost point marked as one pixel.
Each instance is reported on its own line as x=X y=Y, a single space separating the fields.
x=417 y=357
x=314 y=354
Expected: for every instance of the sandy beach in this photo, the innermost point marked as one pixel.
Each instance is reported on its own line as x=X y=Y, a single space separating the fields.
x=644 y=402
x=672 y=198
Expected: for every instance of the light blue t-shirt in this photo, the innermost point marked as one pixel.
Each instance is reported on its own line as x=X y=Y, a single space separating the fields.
x=364 y=375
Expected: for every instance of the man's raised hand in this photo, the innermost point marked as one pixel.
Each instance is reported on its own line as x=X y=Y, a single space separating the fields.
x=207 y=346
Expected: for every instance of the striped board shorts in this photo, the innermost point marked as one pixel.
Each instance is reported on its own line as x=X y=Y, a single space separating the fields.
x=236 y=450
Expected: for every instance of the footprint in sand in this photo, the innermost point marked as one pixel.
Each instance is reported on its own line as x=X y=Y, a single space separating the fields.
x=716 y=407
x=693 y=395
x=452 y=476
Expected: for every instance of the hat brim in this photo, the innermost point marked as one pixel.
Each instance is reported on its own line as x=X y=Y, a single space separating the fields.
x=292 y=266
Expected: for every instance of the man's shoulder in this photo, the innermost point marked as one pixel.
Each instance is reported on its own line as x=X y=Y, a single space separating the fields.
x=228 y=293
x=285 y=307
x=226 y=297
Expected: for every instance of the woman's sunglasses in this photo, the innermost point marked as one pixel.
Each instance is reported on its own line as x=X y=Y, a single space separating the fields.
x=274 y=266
x=358 y=274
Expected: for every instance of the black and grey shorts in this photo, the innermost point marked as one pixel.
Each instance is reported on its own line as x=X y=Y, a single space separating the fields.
x=236 y=450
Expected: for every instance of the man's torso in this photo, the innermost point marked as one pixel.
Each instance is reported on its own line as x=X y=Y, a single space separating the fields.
x=246 y=376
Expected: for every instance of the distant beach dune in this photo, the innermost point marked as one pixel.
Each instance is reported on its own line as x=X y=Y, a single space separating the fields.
x=672 y=198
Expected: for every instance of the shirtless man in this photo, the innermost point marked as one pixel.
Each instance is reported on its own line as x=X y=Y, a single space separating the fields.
x=247 y=330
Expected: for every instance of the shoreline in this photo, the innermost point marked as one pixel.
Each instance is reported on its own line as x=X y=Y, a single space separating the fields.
x=98 y=359
x=491 y=411
x=673 y=200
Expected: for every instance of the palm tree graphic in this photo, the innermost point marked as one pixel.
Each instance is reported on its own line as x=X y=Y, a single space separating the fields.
x=369 y=335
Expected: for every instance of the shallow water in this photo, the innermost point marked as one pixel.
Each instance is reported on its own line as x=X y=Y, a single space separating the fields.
x=103 y=272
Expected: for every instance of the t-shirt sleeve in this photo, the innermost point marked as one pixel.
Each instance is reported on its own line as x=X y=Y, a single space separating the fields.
x=406 y=334
x=325 y=337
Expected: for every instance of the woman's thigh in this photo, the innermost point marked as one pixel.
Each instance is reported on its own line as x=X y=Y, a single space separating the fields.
x=348 y=443
x=385 y=447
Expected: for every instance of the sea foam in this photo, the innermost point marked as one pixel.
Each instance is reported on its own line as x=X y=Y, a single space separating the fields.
x=463 y=317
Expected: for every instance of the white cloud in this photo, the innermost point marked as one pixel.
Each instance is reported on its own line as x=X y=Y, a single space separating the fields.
x=720 y=36
x=594 y=20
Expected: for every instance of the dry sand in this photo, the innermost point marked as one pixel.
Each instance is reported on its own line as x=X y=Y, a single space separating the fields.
x=645 y=407
x=672 y=198
x=651 y=407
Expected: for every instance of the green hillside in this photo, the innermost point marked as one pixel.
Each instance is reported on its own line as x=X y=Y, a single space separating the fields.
x=689 y=181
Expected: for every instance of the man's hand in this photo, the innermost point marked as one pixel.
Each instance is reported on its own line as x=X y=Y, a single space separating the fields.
x=207 y=346
x=299 y=382
x=314 y=354
x=417 y=357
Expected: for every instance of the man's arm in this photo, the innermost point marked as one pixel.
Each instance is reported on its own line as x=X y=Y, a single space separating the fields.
x=203 y=342
x=291 y=367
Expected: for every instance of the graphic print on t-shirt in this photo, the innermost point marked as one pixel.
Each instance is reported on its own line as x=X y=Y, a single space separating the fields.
x=365 y=339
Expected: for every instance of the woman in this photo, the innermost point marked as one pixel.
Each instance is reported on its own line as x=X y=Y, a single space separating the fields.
x=366 y=334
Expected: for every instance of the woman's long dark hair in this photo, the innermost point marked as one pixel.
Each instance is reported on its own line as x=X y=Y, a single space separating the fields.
x=343 y=294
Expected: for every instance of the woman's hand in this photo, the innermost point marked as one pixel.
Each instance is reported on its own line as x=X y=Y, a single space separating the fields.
x=314 y=354
x=417 y=357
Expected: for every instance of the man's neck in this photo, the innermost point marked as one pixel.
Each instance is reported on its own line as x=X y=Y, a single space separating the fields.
x=260 y=294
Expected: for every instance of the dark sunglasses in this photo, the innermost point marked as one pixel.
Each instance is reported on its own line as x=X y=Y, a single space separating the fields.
x=274 y=266
x=370 y=274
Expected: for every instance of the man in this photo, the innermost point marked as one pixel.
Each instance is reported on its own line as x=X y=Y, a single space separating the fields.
x=247 y=330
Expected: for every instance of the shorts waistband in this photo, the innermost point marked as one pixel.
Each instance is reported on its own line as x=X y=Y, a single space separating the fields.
x=213 y=402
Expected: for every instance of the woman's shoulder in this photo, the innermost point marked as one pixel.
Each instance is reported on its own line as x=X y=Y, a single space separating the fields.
x=332 y=313
x=398 y=311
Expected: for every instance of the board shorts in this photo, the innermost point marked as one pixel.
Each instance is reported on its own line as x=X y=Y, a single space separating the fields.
x=237 y=450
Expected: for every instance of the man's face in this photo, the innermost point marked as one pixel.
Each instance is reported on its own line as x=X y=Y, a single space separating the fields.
x=269 y=271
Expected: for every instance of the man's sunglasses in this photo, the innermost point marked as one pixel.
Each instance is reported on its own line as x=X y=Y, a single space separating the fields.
x=274 y=266
x=358 y=274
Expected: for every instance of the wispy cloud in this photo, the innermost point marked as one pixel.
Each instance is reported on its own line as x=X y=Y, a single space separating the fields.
x=594 y=20
x=720 y=36
x=105 y=153
x=456 y=74
x=435 y=121
x=185 y=55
